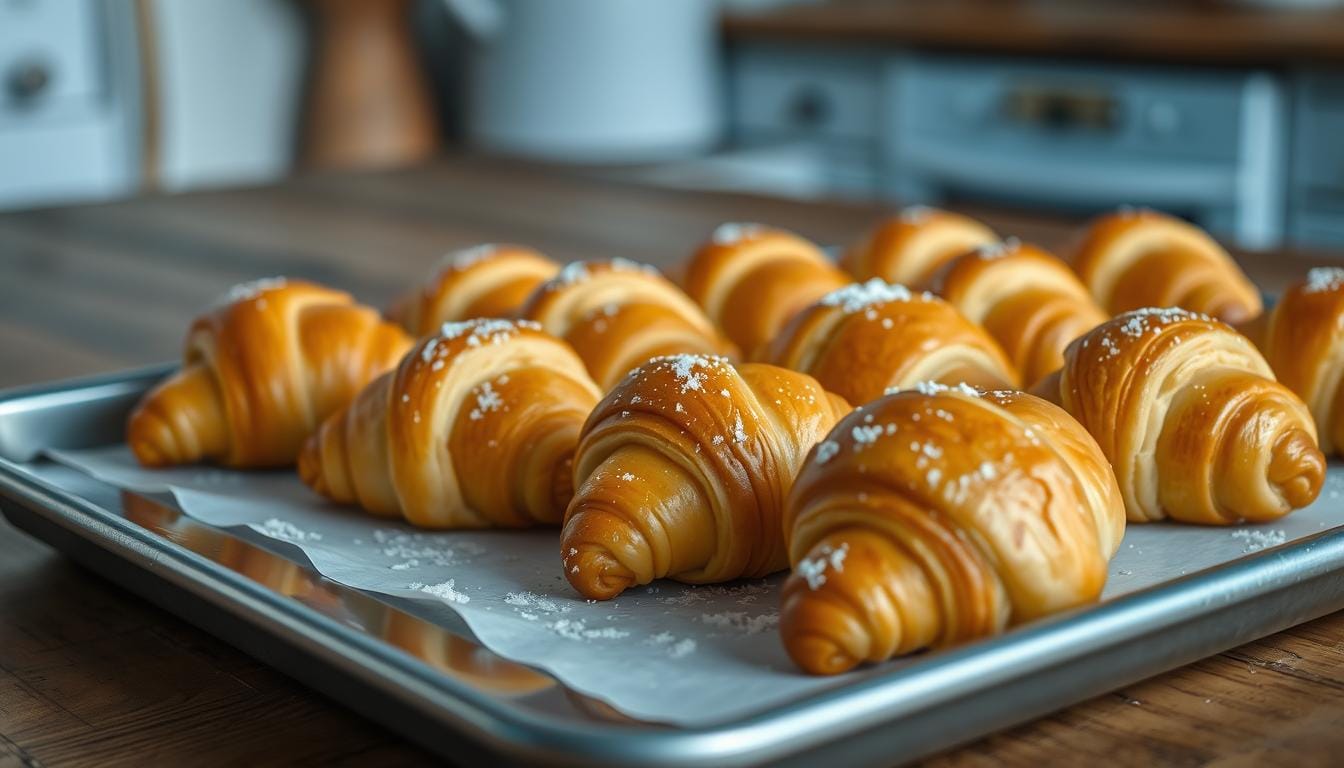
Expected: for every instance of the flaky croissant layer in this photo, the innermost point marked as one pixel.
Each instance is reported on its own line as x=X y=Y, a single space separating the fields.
x=866 y=337
x=1028 y=300
x=751 y=279
x=1191 y=419
x=937 y=515
x=682 y=471
x=910 y=247
x=475 y=428
x=484 y=281
x=618 y=314
x=260 y=372
x=1136 y=258
x=1302 y=338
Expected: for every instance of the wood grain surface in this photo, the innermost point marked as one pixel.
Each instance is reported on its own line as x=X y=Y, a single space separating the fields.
x=91 y=675
x=1214 y=32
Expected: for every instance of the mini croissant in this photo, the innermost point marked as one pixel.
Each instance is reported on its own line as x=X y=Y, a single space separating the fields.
x=1191 y=419
x=682 y=471
x=260 y=372
x=1138 y=258
x=1029 y=301
x=935 y=516
x=751 y=279
x=908 y=248
x=475 y=428
x=1302 y=338
x=618 y=314
x=483 y=281
x=867 y=337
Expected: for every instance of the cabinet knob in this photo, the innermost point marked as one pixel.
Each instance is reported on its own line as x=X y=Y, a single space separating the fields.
x=27 y=79
x=809 y=107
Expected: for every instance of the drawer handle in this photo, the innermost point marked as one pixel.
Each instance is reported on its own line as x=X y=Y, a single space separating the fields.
x=809 y=107
x=27 y=79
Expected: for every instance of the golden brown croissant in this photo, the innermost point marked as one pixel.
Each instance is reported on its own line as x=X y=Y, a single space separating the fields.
x=934 y=516
x=1029 y=301
x=618 y=314
x=867 y=337
x=908 y=248
x=488 y=280
x=475 y=428
x=751 y=279
x=682 y=472
x=1302 y=338
x=1191 y=419
x=260 y=372
x=1138 y=258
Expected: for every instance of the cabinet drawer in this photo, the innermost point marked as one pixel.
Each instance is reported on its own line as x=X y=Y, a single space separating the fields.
x=821 y=93
x=49 y=55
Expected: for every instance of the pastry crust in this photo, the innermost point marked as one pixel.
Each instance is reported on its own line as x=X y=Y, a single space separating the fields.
x=475 y=428
x=937 y=515
x=1191 y=419
x=490 y=280
x=1302 y=338
x=751 y=279
x=1028 y=300
x=260 y=372
x=909 y=247
x=619 y=314
x=682 y=472
x=1133 y=259
x=867 y=337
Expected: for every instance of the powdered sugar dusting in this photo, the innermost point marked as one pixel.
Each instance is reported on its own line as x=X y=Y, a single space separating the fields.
x=998 y=250
x=1324 y=279
x=487 y=400
x=466 y=258
x=741 y=621
x=734 y=232
x=860 y=296
x=250 y=290
x=916 y=214
x=827 y=451
x=814 y=569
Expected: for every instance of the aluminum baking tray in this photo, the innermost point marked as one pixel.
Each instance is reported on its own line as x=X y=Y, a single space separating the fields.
x=436 y=686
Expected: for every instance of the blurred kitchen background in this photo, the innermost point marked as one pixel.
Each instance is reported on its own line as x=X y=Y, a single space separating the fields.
x=1228 y=112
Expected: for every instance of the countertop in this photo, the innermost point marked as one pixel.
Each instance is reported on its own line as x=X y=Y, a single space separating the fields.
x=1209 y=32
x=92 y=675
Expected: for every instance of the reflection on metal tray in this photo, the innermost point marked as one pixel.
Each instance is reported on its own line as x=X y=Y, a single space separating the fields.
x=439 y=688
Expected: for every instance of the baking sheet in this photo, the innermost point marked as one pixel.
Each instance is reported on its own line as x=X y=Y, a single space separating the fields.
x=667 y=653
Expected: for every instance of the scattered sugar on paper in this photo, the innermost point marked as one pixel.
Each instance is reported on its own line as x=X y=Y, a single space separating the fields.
x=412 y=549
x=739 y=621
x=445 y=591
x=284 y=530
x=1255 y=540
x=533 y=601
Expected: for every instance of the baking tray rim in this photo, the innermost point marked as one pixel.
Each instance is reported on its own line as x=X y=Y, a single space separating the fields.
x=777 y=732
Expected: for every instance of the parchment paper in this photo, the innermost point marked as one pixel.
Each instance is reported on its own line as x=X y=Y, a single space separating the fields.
x=666 y=653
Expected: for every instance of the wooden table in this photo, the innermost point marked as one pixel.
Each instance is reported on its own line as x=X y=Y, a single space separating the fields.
x=1215 y=32
x=91 y=675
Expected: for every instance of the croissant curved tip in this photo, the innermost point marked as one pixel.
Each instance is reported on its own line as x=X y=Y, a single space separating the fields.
x=1297 y=468
x=310 y=466
x=813 y=629
x=151 y=439
x=596 y=573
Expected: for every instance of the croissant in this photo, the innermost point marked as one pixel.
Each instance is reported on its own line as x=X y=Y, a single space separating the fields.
x=1138 y=258
x=1028 y=300
x=908 y=248
x=934 y=516
x=682 y=471
x=618 y=314
x=867 y=337
x=751 y=279
x=475 y=428
x=260 y=372
x=1302 y=338
x=488 y=280
x=1191 y=419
